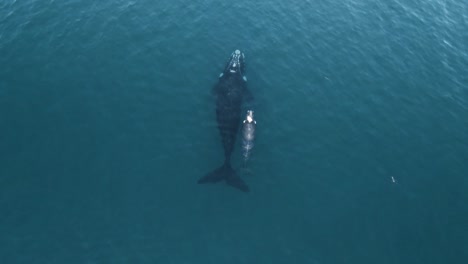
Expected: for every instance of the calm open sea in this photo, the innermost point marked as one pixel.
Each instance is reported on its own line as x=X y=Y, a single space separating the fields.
x=107 y=122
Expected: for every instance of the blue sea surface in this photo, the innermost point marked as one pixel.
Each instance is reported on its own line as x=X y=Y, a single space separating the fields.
x=107 y=122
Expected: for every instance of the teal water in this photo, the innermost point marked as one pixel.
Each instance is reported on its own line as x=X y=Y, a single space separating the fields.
x=107 y=122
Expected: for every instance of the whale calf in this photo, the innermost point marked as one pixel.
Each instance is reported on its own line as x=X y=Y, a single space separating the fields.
x=248 y=134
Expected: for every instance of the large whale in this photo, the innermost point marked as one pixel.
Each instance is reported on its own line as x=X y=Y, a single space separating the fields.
x=231 y=90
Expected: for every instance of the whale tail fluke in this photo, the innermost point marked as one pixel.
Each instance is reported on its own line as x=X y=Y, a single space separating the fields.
x=227 y=173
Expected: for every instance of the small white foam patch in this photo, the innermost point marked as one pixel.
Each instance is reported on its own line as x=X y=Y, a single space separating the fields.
x=221 y=75
x=245 y=78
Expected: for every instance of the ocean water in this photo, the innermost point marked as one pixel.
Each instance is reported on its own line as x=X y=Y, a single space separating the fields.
x=107 y=122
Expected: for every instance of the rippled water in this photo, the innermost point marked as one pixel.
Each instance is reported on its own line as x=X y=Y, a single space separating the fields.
x=107 y=123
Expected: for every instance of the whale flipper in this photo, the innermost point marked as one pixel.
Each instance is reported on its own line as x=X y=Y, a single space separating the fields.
x=225 y=172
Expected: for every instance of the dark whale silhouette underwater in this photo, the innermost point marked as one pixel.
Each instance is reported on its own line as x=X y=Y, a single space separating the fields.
x=231 y=90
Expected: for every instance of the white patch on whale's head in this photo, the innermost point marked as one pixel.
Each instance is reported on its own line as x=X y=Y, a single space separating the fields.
x=250 y=118
x=235 y=63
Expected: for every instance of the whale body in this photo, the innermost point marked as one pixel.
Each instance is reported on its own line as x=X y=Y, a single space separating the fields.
x=230 y=91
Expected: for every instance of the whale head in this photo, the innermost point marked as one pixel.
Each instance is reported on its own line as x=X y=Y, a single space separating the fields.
x=250 y=115
x=235 y=64
x=249 y=118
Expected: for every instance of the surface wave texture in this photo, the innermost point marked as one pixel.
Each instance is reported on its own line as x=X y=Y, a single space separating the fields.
x=107 y=122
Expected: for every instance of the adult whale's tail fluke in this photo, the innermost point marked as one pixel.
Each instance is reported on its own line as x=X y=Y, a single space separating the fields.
x=226 y=173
